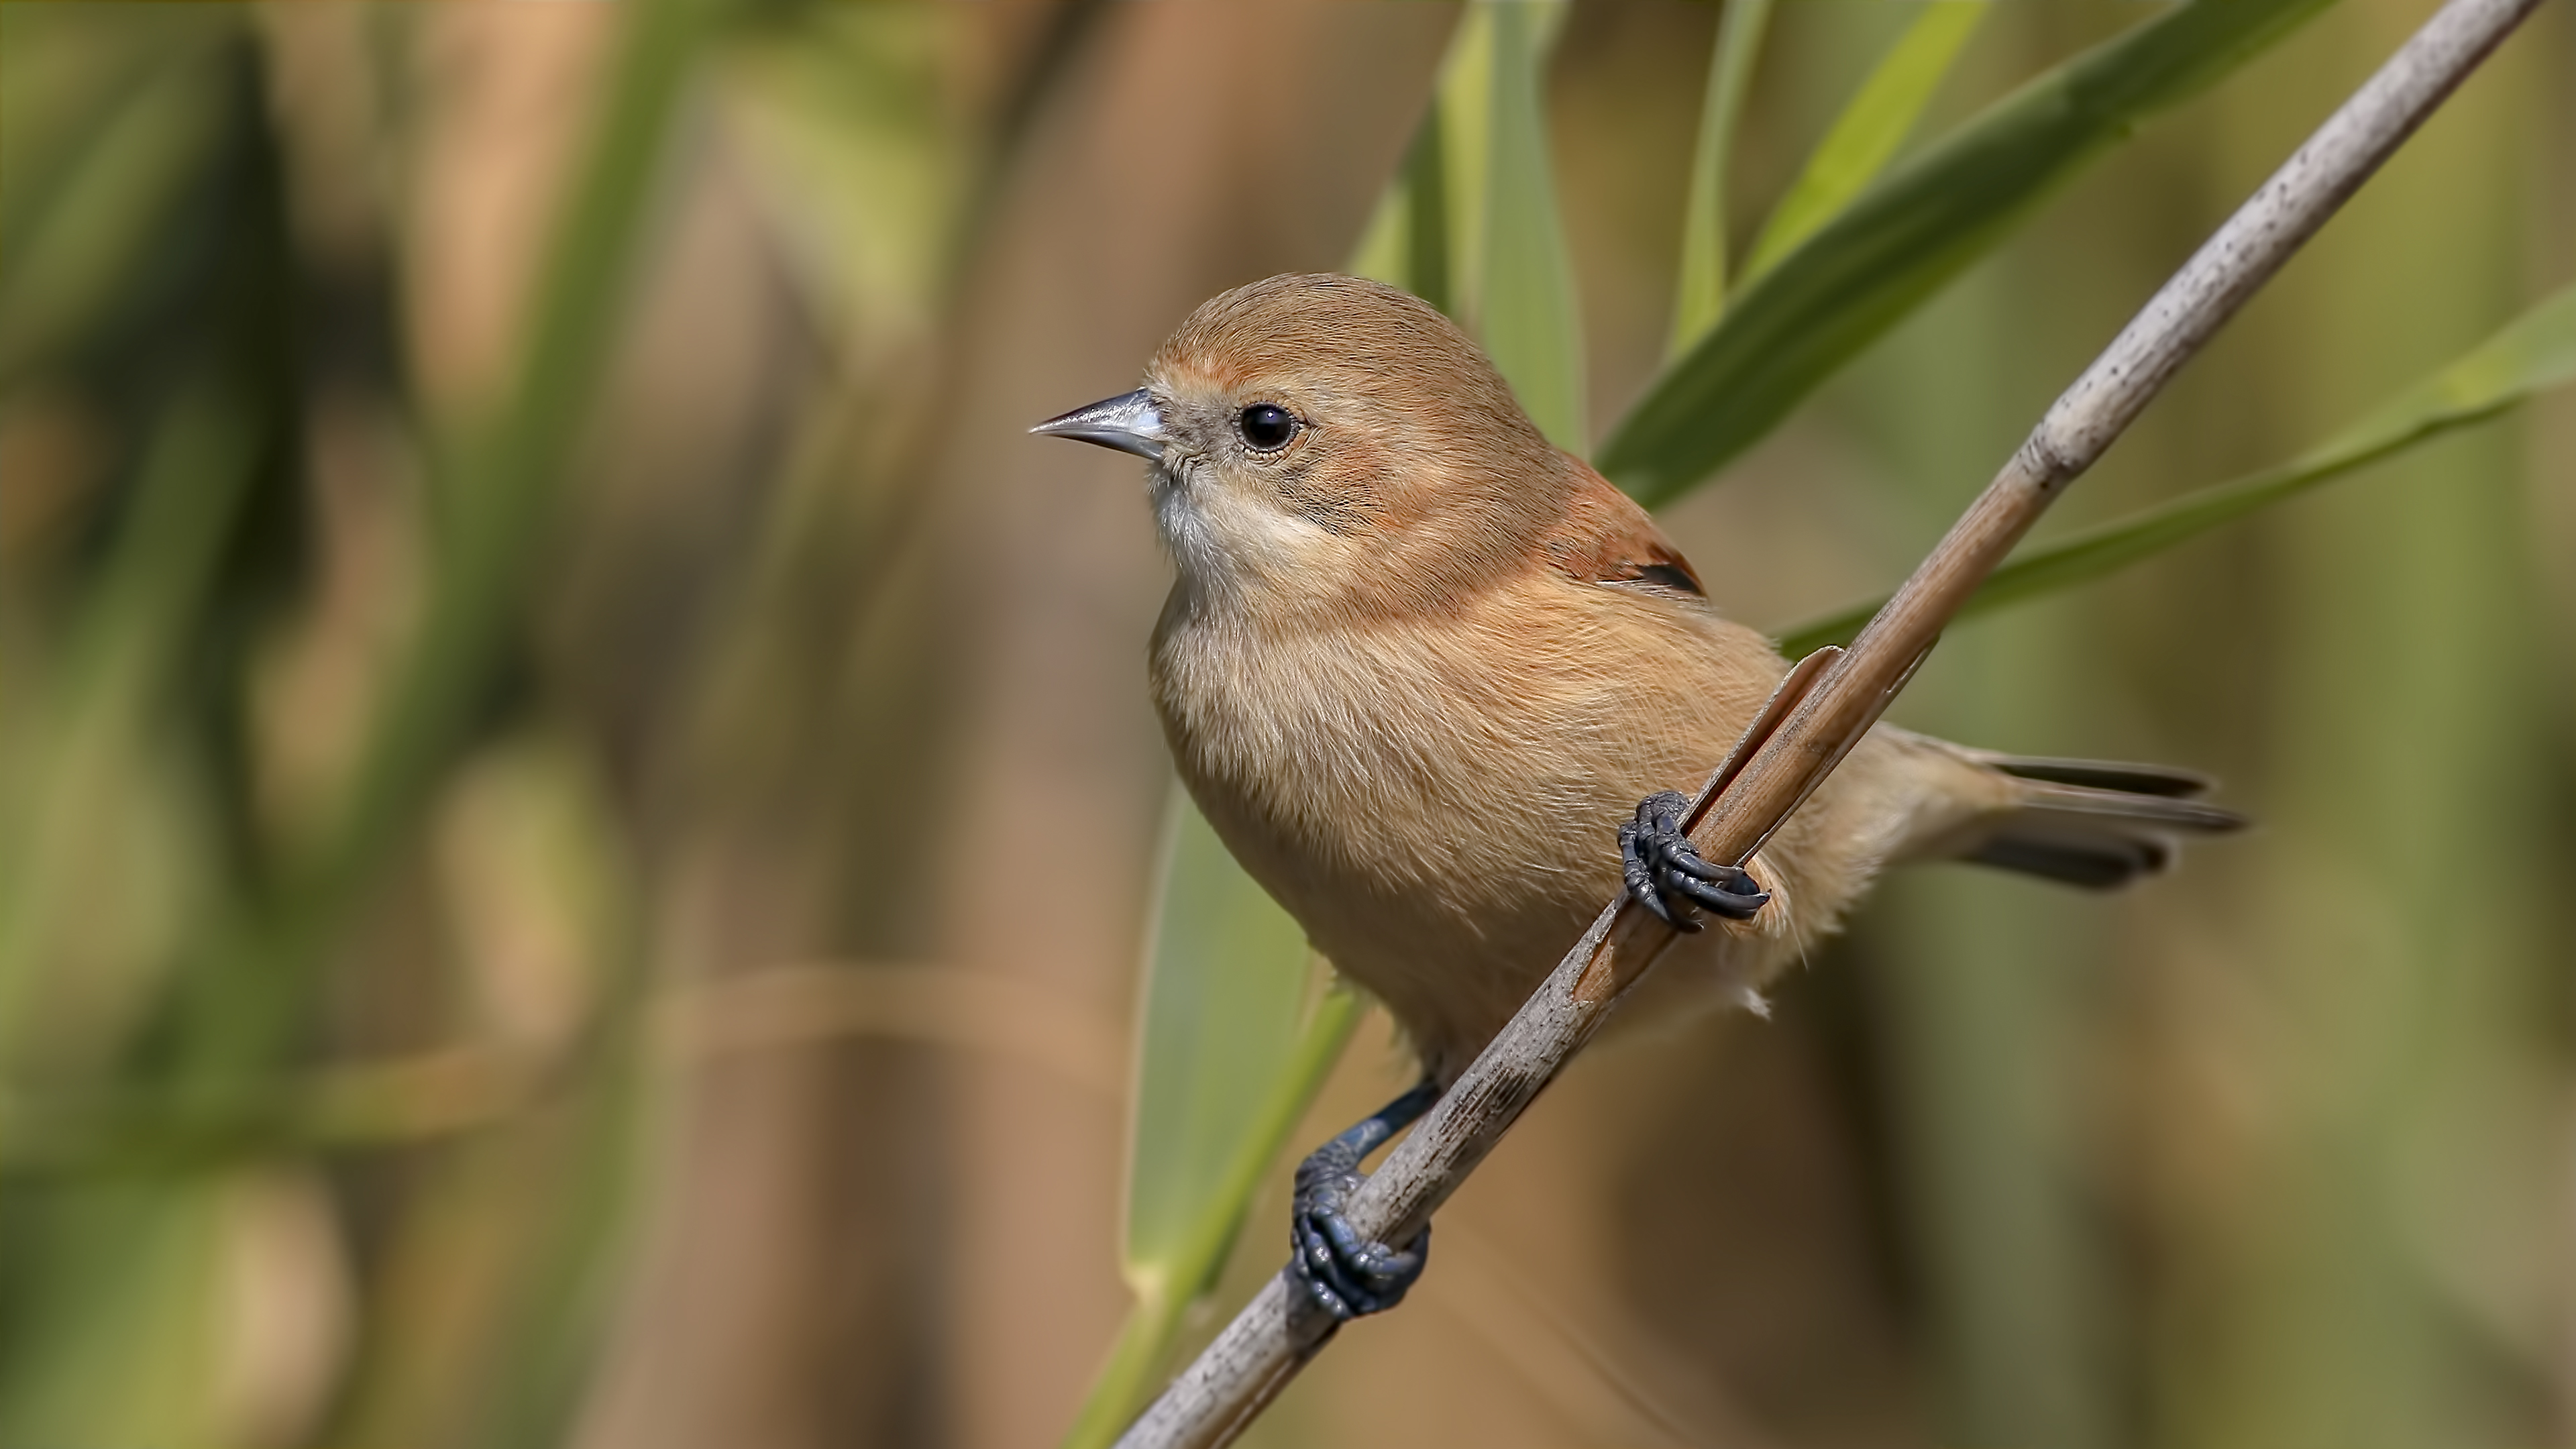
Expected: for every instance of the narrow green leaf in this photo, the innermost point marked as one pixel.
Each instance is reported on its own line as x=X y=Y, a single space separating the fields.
x=1700 y=299
x=1525 y=309
x=1915 y=229
x=2535 y=352
x=1426 y=195
x=1227 y=986
x=1470 y=222
x=1407 y=243
x=1235 y=1040
x=1866 y=135
x=1463 y=110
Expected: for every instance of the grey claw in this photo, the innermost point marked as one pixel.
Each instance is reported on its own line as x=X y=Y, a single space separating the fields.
x=1342 y=1273
x=1658 y=864
x=1733 y=904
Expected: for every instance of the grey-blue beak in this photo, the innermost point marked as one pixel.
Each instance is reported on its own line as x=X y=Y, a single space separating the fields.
x=1128 y=422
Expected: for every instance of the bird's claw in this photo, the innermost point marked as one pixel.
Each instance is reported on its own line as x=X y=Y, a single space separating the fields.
x=1661 y=866
x=1343 y=1274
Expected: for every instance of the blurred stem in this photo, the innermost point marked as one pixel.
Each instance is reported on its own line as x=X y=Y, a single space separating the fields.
x=1068 y=28
x=501 y=481
x=1702 y=297
x=565 y=1302
x=416 y=1098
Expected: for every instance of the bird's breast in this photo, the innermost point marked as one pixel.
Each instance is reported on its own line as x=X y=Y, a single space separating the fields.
x=1437 y=800
x=1463 y=773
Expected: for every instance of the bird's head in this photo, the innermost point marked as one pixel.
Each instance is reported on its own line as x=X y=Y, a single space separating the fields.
x=1321 y=439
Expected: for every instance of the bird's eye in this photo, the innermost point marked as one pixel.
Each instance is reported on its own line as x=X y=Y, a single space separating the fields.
x=1268 y=427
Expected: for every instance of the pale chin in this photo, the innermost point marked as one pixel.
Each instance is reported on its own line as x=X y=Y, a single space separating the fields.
x=1223 y=544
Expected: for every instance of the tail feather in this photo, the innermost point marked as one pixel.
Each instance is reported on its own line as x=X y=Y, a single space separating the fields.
x=2090 y=823
x=2101 y=863
x=2113 y=775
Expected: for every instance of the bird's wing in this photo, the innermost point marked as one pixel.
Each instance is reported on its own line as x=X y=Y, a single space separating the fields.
x=1603 y=537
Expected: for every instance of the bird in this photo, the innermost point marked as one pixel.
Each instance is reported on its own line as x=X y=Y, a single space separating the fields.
x=1439 y=687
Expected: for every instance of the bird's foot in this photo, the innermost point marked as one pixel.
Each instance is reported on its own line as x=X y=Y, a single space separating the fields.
x=1662 y=868
x=1343 y=1274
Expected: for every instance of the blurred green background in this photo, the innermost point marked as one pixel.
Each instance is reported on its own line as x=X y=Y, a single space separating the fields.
x=578 y=815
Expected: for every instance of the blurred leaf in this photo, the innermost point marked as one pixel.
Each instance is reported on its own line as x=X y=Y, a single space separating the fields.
x=497 y=1274
x=1228 y=984
x=76 y=247
x=65 y=72
x=1236 y=1039
x=2533 y=353
x=1700 y=298
x=1901 y=240
x=500 y=480
x=129 y=1293
x=841 y=122
x=1869 y=130
x=1525 y=305
x=1470 y=223
x=86 y=813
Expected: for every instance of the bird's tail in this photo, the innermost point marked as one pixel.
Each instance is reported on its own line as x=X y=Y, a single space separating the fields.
x=2086 y=822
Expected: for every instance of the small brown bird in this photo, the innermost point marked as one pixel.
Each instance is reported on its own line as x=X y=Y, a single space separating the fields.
x=1419 y=668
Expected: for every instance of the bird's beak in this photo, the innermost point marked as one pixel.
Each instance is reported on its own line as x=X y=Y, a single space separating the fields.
x=1128 y=422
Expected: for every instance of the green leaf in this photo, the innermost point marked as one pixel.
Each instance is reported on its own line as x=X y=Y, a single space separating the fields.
x=2533 y=353
x=1237 y=1036
x=130 y=1301
x=1470 y=221
x=1228 y=982
x=1525 y=308
x=1407 y=243
x=1462 y=109
x=1426 y=193
x=838 y=117
x=1870 y=129
x=1914 y=230
x=103 y=210
x=1700 y=299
